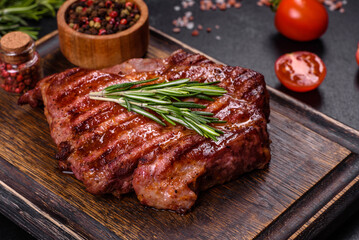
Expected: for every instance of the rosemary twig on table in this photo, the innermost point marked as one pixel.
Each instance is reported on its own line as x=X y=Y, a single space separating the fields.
x=165 y=100
x=14 y=14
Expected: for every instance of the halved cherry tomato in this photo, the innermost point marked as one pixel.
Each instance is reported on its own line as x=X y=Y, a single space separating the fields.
x=300 y=71
x=301 y=20
x=358 y=54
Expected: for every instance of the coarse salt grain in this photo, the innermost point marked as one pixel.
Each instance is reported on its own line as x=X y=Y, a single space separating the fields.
x=176 y=30
x=188 y=13
x=190 y=25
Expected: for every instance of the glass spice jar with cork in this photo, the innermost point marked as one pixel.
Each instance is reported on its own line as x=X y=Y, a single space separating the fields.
x=20 y=65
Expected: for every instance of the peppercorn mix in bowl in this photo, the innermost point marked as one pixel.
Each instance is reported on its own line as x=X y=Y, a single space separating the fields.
x=101 y=17
x=96 y=34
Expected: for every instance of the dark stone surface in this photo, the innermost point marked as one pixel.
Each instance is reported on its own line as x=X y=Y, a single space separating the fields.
x=248 y=38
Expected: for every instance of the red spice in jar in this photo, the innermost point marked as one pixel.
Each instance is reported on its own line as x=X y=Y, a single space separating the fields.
x=20 y=64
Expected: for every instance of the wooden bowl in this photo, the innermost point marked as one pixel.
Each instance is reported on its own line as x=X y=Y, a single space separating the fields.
x=95 y=52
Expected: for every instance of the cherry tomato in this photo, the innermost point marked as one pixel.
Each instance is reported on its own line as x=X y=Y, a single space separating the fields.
x=301 y=20
x=300 y=71
x=358 y=54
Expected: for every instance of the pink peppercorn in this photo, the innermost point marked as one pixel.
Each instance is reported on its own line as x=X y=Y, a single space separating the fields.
x=123 y=21
x=108 y=4
x=112 y=21
x=19 y=78
x=113 y=14
x=102 y=32
x=5 y=73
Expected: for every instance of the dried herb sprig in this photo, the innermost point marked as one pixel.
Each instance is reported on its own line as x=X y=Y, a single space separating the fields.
x=165 y=100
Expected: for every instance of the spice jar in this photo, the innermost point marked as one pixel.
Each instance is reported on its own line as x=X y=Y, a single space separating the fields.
x=20 y=65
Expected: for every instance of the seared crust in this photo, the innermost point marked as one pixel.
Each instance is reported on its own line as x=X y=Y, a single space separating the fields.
x=115 y=151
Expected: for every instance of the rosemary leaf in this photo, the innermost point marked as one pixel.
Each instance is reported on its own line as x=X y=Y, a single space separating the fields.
x=167 y=119
x=188 y=105
x=168 y=84
x=147 y=114
x=128 y=104
x=164 y=99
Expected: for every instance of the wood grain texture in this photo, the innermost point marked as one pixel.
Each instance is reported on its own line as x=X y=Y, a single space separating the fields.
x=279 y=202
x=94 y=52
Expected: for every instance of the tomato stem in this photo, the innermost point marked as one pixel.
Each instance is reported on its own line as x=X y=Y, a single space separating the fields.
x=274 y=4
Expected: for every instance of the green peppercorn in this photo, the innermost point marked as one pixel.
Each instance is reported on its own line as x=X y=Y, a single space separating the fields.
x=79 y=9
x=124 y=13
x=97 y=25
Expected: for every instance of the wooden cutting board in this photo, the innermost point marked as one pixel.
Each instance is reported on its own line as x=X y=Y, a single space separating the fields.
x=312 y=177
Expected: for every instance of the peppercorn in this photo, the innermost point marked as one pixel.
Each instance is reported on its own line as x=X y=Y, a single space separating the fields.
x=112 y=21
x=108 y=4
x=124 y=13
x=113 y=14
x=90 y=16
x=97 y=25
x=102 y=31
x=78 y=9
x=123 y=21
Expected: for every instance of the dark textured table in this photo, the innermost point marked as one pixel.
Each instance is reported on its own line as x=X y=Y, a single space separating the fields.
x=247 y=37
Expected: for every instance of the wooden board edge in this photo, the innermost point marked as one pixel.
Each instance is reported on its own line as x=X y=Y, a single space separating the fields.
x=46 y=37
x=312 y=227
x=12 y=199
x=301 y=217
x=41 y=212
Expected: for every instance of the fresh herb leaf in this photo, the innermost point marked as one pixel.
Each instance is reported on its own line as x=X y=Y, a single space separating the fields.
x=157 y=98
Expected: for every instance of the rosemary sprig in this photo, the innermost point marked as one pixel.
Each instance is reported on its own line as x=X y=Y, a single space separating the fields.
x=164 y=99
x=14 y=14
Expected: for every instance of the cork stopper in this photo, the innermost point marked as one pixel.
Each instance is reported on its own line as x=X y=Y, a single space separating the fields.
x=16 y=47
x=15 y=42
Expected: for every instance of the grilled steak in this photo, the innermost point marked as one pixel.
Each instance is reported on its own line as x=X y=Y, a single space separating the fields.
x=115 y=151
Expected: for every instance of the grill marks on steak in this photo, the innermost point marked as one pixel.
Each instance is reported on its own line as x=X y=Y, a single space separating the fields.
x=115 y=151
